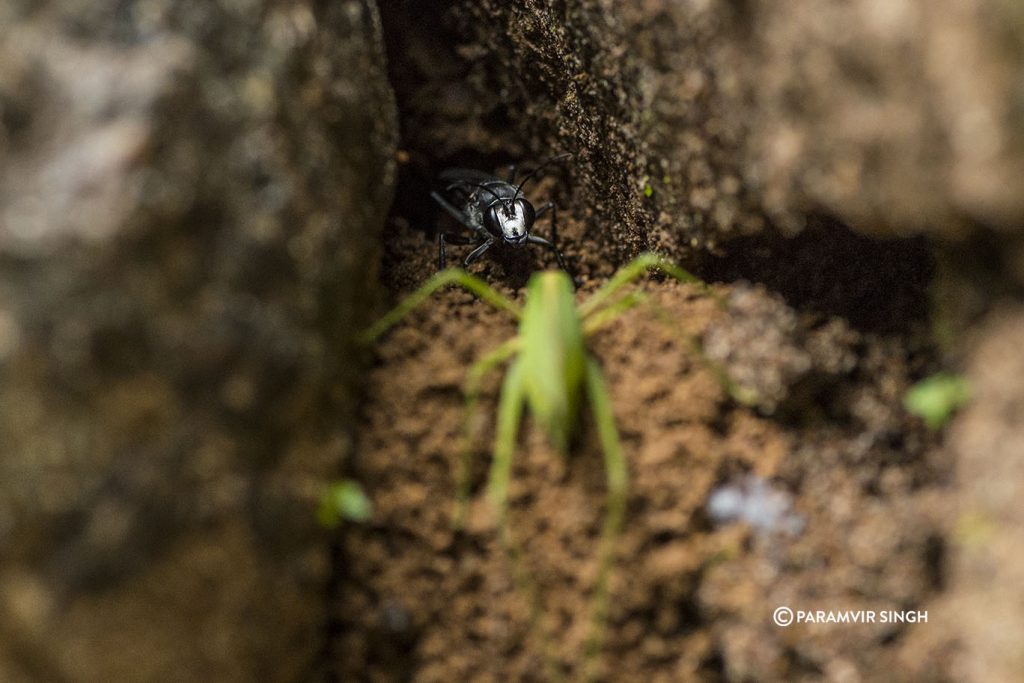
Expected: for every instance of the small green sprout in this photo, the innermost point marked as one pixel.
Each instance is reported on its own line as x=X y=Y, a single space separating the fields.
x=936 y=398
x=550 y=372
x=646 y=187
x=343 y=500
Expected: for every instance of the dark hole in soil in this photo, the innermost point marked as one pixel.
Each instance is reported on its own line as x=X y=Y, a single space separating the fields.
x=877 y=285
x=434 y=107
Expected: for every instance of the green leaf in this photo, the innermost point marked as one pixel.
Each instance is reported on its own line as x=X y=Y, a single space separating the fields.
x=936 y=398
x=343 y=500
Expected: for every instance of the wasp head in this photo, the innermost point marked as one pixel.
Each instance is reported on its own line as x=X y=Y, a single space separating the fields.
x=512 y=219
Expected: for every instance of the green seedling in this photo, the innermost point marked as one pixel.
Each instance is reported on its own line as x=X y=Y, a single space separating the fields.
x=936 y=398
x=343 y=500
x=550 y=374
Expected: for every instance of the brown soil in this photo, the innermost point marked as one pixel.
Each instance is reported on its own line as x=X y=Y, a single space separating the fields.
x=690 y=600
x=828 y=329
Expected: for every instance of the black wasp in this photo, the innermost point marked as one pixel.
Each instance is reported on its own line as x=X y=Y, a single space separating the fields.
x=493 y=209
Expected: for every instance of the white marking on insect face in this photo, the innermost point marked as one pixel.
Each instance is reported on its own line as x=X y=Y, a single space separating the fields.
x=513 y=228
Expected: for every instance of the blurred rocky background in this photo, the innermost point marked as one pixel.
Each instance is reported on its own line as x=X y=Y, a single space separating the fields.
x=190 y=198
x=191 y=195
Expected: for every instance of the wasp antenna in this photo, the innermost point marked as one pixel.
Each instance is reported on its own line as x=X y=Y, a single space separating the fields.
x=533 y=174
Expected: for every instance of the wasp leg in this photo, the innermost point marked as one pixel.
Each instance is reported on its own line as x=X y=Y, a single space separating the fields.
x=533 y=239
x=553 y=208
x=444 y=238
x=478 y=252
x=543 y=209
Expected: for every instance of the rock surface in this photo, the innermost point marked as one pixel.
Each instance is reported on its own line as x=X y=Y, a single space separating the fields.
x=988 y=569
x=898 y=117
x=190 y=197
x=692 y=123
